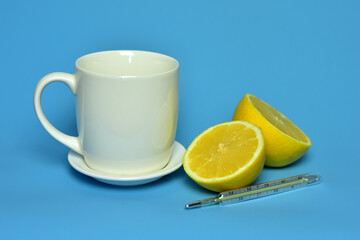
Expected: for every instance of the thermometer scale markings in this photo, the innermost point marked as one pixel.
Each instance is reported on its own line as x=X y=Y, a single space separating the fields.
x=260 y=190
x=270 y=187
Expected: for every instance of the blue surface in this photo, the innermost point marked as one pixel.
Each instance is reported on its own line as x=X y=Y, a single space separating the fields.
x=302 y=57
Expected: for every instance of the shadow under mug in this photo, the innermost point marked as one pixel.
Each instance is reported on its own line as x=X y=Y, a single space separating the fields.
x=126 y=110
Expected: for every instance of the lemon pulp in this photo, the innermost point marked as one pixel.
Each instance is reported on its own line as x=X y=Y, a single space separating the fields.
x=226 y=156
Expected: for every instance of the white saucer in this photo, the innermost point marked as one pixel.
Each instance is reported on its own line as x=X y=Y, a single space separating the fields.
x=78 y=163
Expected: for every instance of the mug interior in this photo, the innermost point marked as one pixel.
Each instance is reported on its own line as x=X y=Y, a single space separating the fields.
x=127 y=63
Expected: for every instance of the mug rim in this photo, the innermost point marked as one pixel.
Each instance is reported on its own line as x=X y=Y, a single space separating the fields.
x=78 y=67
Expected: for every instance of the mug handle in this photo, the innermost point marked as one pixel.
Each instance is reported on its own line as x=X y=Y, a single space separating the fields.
x=70 y=81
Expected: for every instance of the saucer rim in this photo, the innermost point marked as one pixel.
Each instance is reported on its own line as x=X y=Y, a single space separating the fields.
x=169 y=168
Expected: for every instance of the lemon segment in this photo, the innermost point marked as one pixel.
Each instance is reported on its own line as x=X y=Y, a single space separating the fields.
x=226 y=156
x=284 y=141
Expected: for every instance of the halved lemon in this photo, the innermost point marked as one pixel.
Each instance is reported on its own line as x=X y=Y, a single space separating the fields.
x=226 y=156
x=284 y=141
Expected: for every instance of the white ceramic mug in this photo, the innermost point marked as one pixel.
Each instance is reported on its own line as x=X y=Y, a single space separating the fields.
x=126 y=109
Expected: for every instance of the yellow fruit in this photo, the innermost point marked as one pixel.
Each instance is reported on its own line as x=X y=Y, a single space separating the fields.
x=284 y=141
x=226 y=156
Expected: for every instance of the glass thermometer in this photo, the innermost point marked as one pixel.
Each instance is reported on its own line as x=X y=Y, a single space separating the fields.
x=259 y=190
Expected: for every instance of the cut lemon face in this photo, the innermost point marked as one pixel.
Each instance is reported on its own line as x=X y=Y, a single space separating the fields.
x=226 y=156
x=284 y=141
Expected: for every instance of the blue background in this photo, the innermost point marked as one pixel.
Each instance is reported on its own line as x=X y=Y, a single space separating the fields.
x=302 y=57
